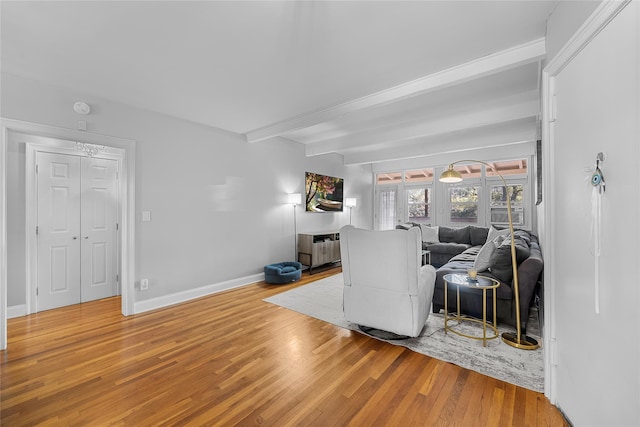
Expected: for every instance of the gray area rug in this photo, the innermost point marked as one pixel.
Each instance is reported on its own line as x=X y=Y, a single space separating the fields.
x=323 y=300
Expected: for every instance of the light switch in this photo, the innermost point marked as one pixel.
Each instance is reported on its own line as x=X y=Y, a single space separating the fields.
x=146 y=216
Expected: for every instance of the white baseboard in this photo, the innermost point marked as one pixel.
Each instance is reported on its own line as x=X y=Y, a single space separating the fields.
x=179 y=297
x=16 y=311
x=167 y=300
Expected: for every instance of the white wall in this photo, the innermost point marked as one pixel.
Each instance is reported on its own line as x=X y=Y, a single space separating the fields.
x=216 y=202
x=595 y=371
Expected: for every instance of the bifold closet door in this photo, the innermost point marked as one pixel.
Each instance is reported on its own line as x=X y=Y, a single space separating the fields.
x=58 y=230
x=98 y=229
x=77 y=216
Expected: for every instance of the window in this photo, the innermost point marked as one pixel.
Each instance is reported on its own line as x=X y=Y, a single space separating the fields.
x=508 y=168
x=416 y=195
x=389 y=178
x=463 y=202
x=499 y=195
x=472 y=170
x=418 y=184
x=419 y=205
x=498 y=204
x=421 y=175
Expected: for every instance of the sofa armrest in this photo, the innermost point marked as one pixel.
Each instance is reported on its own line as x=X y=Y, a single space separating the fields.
x=528 y=274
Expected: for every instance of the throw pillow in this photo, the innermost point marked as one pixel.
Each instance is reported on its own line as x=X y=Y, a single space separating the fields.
x=429 y=234
x=524 y=235
x=483 y=259
x=494 y=232
x=500 y=261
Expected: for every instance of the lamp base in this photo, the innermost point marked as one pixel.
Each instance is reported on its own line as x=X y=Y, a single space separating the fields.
x=524 y=343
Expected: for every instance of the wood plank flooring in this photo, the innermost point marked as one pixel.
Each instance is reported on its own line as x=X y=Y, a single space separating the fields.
x=233 y=359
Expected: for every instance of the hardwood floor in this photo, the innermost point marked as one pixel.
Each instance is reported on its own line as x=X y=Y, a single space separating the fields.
x=233 y=359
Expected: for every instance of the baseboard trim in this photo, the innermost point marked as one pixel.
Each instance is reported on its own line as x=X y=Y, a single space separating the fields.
x=16 y=311
x=191 y=294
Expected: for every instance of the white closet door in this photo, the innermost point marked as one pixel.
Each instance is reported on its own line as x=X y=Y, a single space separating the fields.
x=58 y=230
x=99 y=213
x=77 y=236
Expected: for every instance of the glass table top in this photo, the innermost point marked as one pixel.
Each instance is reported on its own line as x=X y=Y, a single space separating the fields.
x=465 y=280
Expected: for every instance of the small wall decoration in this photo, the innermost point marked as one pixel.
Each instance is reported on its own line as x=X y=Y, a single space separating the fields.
x=597 y=190
x=323 y=193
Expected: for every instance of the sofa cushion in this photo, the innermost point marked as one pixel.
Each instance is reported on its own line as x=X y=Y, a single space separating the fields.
x=429 y=234
x=478 y=235
x=454 y=235
x=468 y=255
x=500 y=260
x=449 y=249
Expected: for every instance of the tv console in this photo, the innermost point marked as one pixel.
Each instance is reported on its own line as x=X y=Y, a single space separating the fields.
x=316 y=249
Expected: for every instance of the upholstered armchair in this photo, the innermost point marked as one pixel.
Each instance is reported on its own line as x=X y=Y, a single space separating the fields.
x=385 y=285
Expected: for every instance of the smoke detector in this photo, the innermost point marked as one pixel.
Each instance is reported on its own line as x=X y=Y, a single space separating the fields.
x=81 y=107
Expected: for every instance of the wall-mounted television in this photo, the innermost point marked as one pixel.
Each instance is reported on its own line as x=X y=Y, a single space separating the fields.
x=323 y=193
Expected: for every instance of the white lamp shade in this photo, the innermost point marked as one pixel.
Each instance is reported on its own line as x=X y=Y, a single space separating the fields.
x=294 y=198
x=350 y=202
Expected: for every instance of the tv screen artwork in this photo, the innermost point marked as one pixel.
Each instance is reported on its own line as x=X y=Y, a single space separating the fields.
x=323 y=193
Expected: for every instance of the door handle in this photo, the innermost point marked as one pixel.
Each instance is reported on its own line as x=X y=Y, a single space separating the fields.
x=86 y=237
x=75 y=237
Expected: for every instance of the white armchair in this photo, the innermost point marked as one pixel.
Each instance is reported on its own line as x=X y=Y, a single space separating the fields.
x=385 y=285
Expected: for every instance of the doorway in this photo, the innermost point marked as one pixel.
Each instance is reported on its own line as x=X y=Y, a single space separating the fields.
x=77 y=222
x=51 y=136
x=60 y=284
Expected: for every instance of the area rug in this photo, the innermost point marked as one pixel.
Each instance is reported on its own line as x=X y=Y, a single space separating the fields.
x=322 y=300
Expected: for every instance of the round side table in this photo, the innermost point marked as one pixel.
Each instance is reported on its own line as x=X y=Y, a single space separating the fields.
x=481 y=283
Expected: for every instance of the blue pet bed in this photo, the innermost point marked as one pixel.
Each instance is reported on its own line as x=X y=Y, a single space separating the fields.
x=283 y=272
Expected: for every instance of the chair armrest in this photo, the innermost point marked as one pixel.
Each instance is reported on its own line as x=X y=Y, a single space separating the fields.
x=427 y=281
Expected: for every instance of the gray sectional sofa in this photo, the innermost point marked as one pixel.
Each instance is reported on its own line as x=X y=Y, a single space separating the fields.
x=457 y=250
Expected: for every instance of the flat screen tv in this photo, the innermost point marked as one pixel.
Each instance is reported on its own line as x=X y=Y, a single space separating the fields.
x=323 y=193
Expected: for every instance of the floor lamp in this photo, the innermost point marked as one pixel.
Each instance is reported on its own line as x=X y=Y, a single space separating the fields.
x=515 y=340
x=295 y=199
x=350 y=202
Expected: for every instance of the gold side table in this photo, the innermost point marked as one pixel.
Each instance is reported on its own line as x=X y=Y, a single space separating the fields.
x=482 y=283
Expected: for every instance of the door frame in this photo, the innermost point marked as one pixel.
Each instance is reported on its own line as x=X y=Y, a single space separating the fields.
x=127 y=207
x=599 y=19
x=35 y=145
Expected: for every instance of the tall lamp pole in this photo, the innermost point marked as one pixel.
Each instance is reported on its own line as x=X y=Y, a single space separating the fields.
x=515 y=340
x=295 y=199
x=350 y=202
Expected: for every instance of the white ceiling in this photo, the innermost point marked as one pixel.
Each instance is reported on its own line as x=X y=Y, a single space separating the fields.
x=371 y=80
